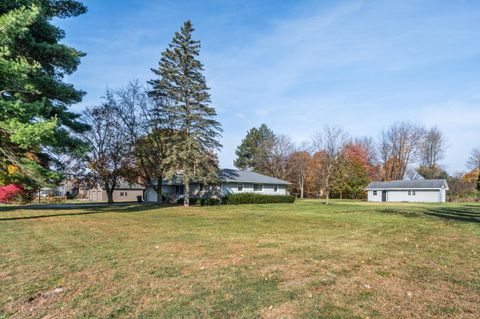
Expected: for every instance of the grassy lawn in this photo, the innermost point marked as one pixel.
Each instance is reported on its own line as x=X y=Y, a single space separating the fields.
x=306 y=260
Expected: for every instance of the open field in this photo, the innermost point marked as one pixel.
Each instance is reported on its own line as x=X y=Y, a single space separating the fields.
x=306 y=260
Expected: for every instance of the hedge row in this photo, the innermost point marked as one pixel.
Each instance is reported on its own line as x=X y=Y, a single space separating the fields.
x=242 y=198
x=251 y=198
x=201 y=201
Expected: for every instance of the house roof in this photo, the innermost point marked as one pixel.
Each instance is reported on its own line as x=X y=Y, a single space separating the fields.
x=414 y=184
x=233 y=175
x=125 y=185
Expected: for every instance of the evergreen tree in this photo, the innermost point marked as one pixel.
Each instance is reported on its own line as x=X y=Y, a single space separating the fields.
x=35 y=123
x=247 y=152
x=182 y=93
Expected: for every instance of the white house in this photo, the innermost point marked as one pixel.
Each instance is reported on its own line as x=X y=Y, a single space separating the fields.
x=425 y=191
x=231 y=181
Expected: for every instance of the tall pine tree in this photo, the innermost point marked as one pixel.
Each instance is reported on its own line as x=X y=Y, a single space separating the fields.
x=247 y=152
x=182 y=91
x=35 y=123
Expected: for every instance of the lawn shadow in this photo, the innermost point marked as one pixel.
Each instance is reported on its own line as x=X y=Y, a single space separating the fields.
x=121 y=209
x=463 y=214
x=469 y=214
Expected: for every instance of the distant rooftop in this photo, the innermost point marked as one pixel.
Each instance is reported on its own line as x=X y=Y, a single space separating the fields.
x=415 y=184
x=233 y=175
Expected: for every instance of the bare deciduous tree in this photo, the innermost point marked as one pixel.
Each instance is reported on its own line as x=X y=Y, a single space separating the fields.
x=432 y=150
x=273 y=156
x=473 y=161
x=331 y=141
x=146 y=127
x=110 y=157
x=399 y=146
x=299 y=162
x=368 y=144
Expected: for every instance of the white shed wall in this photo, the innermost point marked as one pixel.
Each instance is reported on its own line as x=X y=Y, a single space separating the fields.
x=374 y=198
x=421 y=196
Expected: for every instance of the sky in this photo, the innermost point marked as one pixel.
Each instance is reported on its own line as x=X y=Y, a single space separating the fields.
x=298 y=65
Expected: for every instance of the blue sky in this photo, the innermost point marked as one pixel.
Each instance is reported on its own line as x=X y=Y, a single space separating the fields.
x=297 y=65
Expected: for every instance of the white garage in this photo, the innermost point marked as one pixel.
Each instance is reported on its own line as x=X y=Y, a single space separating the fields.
x=420 y=191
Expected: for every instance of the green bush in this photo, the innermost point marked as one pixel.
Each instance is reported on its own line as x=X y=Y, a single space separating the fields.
x=201 y=201
x=70 y=195
x=252 y=198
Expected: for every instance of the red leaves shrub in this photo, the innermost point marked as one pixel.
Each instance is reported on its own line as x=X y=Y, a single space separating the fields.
x=10 y=192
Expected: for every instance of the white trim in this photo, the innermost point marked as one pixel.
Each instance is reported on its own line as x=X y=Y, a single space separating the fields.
x=404 y=189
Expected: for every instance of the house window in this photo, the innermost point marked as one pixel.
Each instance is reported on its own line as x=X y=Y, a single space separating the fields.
x=414 y=193
x=240 y=187
x=179 y=190
x=275 y=188
x=123 y=194
x=409 y=192
x=374 y=193
x=257 y=187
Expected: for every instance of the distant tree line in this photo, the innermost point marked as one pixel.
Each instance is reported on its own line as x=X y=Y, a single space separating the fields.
x=335 y=164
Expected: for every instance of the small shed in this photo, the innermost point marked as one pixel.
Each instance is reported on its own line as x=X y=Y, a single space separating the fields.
x=422 y=191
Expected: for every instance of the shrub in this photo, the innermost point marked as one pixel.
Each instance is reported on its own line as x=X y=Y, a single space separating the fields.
x=203 y=201
x=70 y=195
x=252 y=198
x=10 y=192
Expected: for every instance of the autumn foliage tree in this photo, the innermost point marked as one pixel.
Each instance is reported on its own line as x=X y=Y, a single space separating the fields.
x=299 y=161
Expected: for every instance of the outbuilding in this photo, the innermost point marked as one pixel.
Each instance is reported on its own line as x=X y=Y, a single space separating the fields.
x=422 y=191
x=124 y=192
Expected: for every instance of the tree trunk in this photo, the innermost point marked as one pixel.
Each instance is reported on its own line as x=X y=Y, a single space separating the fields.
x=110 y=196
x=186 y=192
x=327 y=187
x=109 y=190
x=302 y=185
x=159 y=191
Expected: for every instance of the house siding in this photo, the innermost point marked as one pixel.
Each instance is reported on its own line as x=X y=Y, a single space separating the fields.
x=374 y=198
x=98 y=195
x=213 y=191
x=267 y=189
x=421 y=196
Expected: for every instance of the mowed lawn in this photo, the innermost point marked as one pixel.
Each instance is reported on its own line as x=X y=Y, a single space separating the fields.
x=303 y=260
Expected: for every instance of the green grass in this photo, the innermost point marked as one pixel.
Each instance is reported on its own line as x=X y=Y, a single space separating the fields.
x=303 y=260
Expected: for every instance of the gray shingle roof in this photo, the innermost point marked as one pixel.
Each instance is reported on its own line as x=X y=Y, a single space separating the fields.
x=233 y=175
x=236 y=176
x=424 y=183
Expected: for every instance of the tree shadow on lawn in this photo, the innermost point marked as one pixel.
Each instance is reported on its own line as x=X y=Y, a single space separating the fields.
x=91 y=210
x=469 y=214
